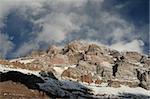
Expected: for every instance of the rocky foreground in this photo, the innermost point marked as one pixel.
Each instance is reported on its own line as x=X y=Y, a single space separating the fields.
x=77 y=70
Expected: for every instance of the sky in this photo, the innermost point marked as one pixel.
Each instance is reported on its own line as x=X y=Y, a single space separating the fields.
x=27 y=25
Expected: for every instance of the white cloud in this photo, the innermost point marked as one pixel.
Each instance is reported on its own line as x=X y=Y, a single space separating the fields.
x=79 y=18
x=117 y=27
x=7 y=5
x=5 y=45
x=135 y=45
x=57 y=25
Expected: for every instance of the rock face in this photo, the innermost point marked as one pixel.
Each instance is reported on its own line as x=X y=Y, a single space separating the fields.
x=100 y=62
x=91 y=63
x=104 y=69
x=59 y=59
x=46 y=83
x=28 y=80
x=133 y=56
x=106 y=64
x=71 y=73
x=144 y=78
x=126 y=70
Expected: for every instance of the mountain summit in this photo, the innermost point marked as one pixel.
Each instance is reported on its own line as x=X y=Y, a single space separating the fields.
x=78 y=70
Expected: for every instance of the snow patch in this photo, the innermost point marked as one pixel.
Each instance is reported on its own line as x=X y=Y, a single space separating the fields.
x=25 y=61
x=25 y=71
x=120 y=90
x=59 y=70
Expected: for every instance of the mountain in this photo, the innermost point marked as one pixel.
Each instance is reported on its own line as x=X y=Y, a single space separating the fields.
x=77 y=70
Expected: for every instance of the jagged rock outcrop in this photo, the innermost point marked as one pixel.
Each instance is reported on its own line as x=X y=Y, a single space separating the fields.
x=110 y=64
x=75 y=47
x=133 y=56
x=144 y=77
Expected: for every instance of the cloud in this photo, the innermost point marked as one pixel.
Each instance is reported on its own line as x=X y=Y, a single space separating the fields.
x=26 y=48
x=56 y=26
x=135 y=45
x=5 y=45
x=7 y=5
x=65 y=20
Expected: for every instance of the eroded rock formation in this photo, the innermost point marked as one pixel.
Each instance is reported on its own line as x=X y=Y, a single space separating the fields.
x=89 y=63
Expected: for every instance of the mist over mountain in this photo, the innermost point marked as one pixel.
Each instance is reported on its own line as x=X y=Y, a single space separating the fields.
x=74 y=49
x=33 y=25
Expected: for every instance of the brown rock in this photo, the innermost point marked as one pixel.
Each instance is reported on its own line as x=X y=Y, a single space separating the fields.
x=133 y=56
x=87 y=78
x=59 y=59
x=12 y=90
x=118 y=83
x=71 y=73
x=94 y=50
x=54 y=50
x=77 y=47
x=97 y=81
x=75 y=58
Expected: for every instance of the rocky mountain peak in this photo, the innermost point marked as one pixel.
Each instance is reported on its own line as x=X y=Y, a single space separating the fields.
x=89 y=63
